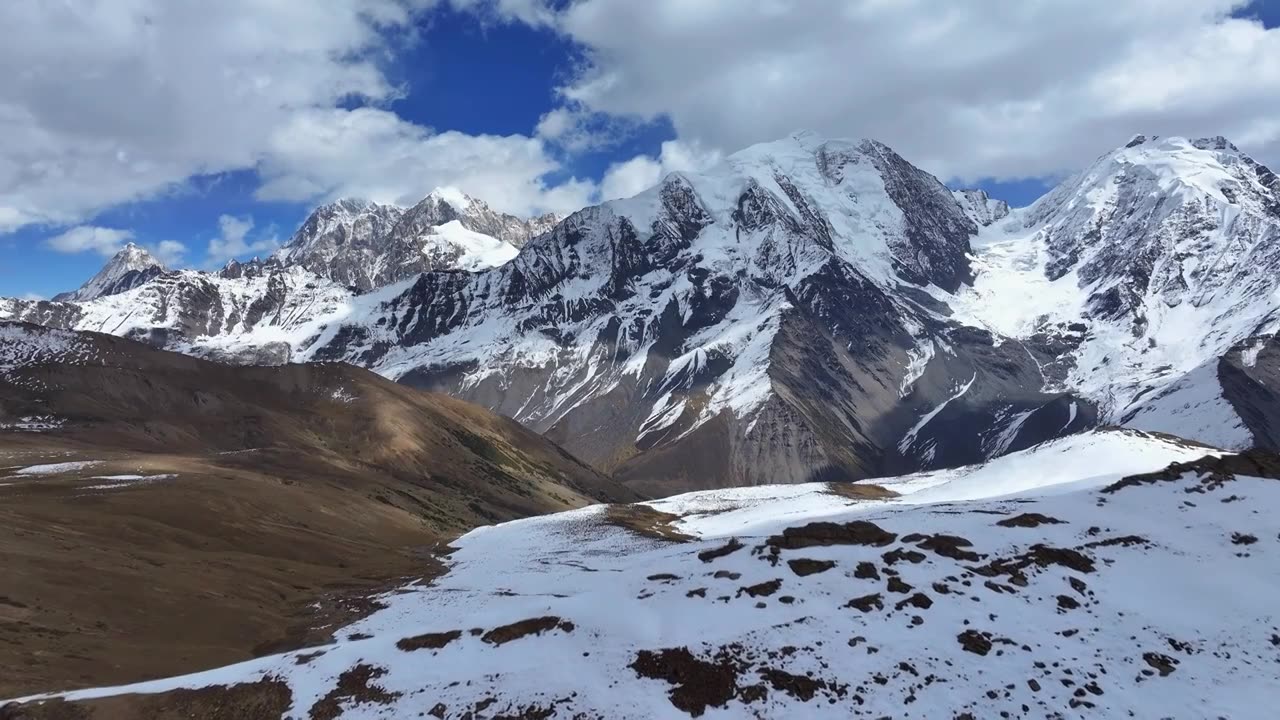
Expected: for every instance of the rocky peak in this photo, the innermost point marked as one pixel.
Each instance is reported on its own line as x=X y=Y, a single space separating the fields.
x=131 y=266
x=981 y=208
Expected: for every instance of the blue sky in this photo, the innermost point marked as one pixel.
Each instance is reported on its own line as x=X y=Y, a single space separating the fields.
x=217 y=133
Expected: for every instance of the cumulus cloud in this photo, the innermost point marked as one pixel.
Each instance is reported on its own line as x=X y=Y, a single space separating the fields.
x=374 y=154
x=90 y=238
x=979 y=88
x=628 y=178
x=170 y=253
x=106 y=242
x=122 y=101
x=233 y=240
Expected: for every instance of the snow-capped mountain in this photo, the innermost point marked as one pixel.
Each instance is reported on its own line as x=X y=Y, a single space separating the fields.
x=1145 y=270
x=130 y=267
x=765 y=320
x=981 y=208
x=1036 y=585
x=367 y=245
x=807 y=309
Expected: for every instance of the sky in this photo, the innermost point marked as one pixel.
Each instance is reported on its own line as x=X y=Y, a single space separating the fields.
x=208 y=131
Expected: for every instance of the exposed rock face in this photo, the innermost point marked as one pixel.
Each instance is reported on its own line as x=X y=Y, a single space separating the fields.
x=367 y=245
x=981 y=208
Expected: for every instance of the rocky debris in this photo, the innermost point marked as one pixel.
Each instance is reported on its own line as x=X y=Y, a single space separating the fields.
x=533 y=626
x=1028 y=520
x=763 y=589
x=1212 y=470
x=898 y=554
x=867 y=603
x=429 y=641
x=857 y=532
x=1162 y=663
x=806 y=566
x=1037 y=556
x=866 y=571
x=918 y=600
x=728 y=548
x=974 y=642
x=699 y=684
x=354 y=687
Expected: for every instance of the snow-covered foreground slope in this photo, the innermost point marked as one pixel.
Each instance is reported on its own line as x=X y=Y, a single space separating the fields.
x=1037 y=585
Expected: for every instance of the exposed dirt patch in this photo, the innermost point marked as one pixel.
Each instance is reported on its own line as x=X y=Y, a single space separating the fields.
x=918 y=600
x=763 y=589
x=1038 y=556
x=355 y=685
x=858 y=532
x=806 y=566
x=1124 y=541
x=897 y=555
x=429 y=641
x=860 y=491
x=1162 y=664
x=646 y=521
x=1029 y=520
x=867 y=603
x=866 y=571
x=797 y=686
x=1213 y=471
x=532 y=626
x=949 y=546
x=974 y=642
x=728 y=548
x=267 y=699
x=699 y=683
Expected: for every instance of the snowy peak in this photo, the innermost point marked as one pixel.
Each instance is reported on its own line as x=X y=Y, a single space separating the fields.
x=367 y=246
x=1139 y=274
x=981 y=208
x=131 y=266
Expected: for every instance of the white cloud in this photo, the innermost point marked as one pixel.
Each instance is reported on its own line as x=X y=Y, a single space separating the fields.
x=641 y=172
x=33 y=297
x=1003 y=88
x=90 y=238
x=233 y=240
x=111 y=102
x=108 y=241
x=375 y=154
x=170 y=253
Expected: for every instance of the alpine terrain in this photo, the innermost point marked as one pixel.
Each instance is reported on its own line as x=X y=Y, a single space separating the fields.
x=808 y=309
x=804 y=434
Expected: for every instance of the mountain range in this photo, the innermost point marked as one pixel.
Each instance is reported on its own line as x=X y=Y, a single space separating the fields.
x=807 y=309
x=809 y=434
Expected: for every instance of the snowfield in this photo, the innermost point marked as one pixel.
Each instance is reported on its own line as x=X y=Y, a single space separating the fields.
x=1037 y=585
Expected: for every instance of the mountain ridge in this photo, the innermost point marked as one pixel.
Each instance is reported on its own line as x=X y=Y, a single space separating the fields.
x=808 y=308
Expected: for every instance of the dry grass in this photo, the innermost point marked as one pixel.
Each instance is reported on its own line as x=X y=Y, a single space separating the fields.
x=644 y=520
x=860 y=491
